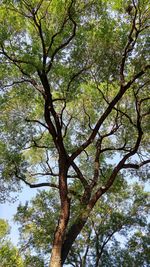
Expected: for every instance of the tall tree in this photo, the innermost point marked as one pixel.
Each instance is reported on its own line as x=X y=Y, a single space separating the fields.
x=75 y=92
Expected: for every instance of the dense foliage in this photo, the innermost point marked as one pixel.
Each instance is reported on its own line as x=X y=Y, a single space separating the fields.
x=9 y=255
x=74 y=105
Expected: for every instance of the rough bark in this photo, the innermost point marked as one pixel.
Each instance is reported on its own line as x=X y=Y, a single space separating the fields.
x=56 y=258
x=74 y=231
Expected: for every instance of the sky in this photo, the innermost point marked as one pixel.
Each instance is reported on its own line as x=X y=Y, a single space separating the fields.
x=9 y=209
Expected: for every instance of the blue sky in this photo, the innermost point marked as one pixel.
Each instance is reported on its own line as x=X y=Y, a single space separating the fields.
x=8 y=210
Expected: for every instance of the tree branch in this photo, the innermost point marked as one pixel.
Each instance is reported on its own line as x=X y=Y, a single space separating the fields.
x=80 y=175
x=135 y=166
x=129 y=47
x=116 y=99
x=96 y=163
x=36 y=185
x=37 y=121
x=63 y=45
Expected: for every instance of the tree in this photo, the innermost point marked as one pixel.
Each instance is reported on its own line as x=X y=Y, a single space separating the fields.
x=4 y=229
x=9 y=255
x=75 y=83
x=124 y=213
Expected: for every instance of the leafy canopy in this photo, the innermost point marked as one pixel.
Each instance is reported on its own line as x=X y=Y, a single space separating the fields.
x=74 y=102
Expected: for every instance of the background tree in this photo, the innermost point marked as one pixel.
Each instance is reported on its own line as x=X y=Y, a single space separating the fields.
x=9 y=255
x=75 y=92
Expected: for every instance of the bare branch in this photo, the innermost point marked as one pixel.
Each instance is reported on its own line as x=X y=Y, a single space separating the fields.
x=39 y=184
x=66 y=126
x=35 y=145
x=37 y=121
x=89 y=118
x=35 y=185
x=80 y=175
x=122 y=148
x=135 y=166
x=61 y=117
x=96 y=163
x=45 y=174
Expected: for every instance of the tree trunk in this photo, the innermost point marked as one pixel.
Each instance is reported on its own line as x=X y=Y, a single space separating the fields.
x=73 y=232
x=77 y=227
x=57 y=245
x=56 y=255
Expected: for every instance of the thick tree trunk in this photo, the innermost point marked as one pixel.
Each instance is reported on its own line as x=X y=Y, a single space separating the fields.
x=77 y=227
x=57 y=245
x=56 y=257
x=73 y=232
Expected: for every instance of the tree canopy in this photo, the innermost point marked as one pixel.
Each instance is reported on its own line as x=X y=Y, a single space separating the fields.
x=74 y=104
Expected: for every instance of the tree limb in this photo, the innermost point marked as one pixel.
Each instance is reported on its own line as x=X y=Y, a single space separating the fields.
x=135 y=166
